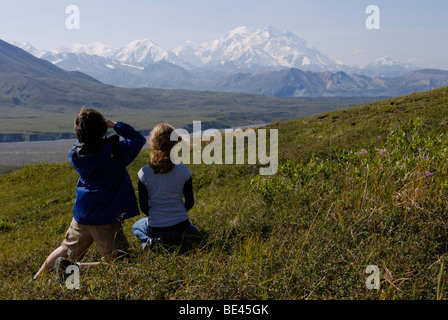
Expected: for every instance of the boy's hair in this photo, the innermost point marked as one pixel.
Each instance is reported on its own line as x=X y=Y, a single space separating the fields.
x=90 y=126
x=161 y=144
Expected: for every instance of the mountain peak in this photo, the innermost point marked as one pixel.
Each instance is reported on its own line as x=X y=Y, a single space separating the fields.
x=388 y=67
x=240 y=29
x=141 y=42
x=96 y=48
x=141 y=51
x=385 y=61
x=249 y=48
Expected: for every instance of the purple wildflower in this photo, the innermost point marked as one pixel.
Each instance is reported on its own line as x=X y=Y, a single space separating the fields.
x=428 y=173
x=383 y=151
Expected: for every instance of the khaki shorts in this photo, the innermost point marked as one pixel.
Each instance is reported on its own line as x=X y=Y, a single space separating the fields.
x=110 y=239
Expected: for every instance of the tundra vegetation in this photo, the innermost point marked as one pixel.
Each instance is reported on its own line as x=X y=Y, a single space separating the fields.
x=362 y=186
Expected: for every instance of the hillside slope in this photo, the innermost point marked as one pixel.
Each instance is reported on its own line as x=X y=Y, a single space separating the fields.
x=356 y=187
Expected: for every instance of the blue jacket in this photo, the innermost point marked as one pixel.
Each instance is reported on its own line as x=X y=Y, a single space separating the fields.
x=104 y=192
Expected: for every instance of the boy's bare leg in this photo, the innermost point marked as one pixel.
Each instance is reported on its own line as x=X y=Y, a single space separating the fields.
x=48 y=265
x=85 y=265
x=51 y=259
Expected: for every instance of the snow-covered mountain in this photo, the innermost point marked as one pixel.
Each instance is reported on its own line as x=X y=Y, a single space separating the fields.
x=257 y=49
x=144 y=52
x=242 y=49
x=387 y=67
x=96 y=49
x=137 y=54
x=28 y=48
x=242 y=52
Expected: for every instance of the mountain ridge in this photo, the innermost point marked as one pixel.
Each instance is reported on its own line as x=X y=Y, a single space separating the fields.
x=39 y=100
x=241 y=50
x=297 y=83
x=143 y=64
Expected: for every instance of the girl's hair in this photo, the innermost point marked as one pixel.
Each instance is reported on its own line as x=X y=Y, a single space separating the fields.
x=90 y=126
x=161 y=144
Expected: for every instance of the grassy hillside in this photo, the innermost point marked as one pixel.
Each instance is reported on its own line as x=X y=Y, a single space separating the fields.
x=356 y=187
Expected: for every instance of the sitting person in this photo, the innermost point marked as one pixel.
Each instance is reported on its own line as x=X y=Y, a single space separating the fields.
x=162 y=186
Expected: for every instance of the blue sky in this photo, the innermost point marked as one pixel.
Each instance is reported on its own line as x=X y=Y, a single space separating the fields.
x=414 y=31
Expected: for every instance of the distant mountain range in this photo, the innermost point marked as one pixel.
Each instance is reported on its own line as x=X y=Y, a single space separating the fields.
x=298 y=83
x=263 y=61
x=38 y=101
x=37 y=84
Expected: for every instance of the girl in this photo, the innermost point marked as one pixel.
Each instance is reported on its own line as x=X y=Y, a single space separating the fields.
x=161 y=187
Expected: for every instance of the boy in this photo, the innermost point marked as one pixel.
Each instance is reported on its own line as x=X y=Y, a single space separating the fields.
x=104 y=192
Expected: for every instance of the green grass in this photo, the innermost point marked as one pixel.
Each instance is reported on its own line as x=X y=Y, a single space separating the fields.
x=341 y=200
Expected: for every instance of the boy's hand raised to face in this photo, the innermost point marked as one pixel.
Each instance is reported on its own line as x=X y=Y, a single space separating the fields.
x=110 y=123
